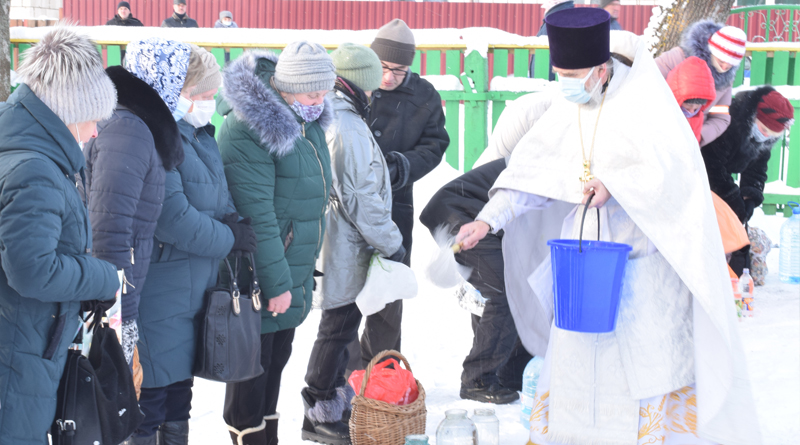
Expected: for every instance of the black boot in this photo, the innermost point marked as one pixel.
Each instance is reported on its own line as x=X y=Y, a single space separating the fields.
x=271 y=429
x=494 y=393
x=322 y=422
x=174 y=433
x=256 y=435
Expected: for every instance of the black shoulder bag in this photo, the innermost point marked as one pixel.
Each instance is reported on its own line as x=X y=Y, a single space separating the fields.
x=229 y=344
x=96 y=401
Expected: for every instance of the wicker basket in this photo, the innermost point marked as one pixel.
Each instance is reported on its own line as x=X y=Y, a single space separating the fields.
x=374 y=422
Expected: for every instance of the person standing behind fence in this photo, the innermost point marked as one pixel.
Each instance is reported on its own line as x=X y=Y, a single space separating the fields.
x=359 y=223
x=612 y=7
x=179 y=18
x=124 y=17
x=722 y=48
x=279 y=172
x=407 y=121
x=47 y=269
x=225 y=20
x=198 y=227
x=126 y=168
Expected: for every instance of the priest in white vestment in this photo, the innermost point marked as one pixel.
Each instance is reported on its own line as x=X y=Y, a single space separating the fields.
x=673 y=370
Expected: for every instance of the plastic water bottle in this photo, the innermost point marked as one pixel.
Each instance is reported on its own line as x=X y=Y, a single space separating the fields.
x=530 y=378
x=789 y=266
x=737 y=296
x=748 y=287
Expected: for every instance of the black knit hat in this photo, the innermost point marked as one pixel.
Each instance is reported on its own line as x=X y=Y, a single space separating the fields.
x=394 y=43
x=579 y=37
x=125 y=4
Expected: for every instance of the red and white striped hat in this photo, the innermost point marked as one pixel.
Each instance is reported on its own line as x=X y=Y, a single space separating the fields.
x=728 y=44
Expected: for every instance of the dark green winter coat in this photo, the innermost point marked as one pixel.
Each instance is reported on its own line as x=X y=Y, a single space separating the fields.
x=189 y=243
x=47 y=265
x=278 y=171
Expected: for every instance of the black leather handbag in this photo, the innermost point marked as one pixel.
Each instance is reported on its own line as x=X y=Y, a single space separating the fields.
x=229 y=344
x=96 y=401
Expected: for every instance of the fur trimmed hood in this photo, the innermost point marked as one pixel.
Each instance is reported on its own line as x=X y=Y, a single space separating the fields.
x=246 y=90
x=144 y=101
x=694 y=42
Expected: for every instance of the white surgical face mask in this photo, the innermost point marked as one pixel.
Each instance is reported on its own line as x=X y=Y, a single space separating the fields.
x=757 y=134
x=183 y=106
x=574 y=90
x=201 y=114
x=78 y=132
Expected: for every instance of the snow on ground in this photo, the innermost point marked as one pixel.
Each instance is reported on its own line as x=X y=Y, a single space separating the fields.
x=437 y=336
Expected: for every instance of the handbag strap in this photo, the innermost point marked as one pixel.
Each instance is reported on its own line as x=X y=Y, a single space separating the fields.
x=67 y=426
x=255 y=289
x=234 y=286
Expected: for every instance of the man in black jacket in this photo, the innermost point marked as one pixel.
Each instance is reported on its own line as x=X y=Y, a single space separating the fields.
x=407 y=121
x=179 y=18
x=124 y=16
x=493 y=369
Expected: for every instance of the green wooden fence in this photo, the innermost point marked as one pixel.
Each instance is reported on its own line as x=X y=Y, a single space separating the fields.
x=778 y=65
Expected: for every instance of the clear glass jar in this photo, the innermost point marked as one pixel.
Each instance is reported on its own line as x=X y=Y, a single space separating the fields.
x=416 y=439
x=487 y=426
x=456 y=429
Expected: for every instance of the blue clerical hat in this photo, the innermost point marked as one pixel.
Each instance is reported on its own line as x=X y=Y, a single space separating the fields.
x=579 y=37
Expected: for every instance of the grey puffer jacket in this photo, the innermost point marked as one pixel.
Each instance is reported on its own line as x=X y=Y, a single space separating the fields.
x=359 y=217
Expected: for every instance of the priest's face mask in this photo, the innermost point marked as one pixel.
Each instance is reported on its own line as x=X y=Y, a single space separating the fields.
x=581 y=86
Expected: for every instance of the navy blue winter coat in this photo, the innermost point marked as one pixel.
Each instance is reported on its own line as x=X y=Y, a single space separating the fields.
x=125 y=173
x=190 y=242
x=47 y=266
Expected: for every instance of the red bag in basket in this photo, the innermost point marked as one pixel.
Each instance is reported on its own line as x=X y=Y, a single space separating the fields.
x=396 y=386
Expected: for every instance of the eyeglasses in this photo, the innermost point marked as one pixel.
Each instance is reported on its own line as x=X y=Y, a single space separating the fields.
x=396 y=72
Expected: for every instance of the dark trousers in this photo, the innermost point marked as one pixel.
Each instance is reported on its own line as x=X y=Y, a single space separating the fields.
x=329 y=356
x=381 y=332
x=246 y=403
x=168 y=404
x=496 y=353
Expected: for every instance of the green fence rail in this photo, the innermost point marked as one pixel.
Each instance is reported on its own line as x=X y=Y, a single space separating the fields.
x=481 y=107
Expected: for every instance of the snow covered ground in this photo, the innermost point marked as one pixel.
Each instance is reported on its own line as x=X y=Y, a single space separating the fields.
x=437 y=337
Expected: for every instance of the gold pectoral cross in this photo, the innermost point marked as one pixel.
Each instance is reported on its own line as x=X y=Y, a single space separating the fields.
x=587 y=174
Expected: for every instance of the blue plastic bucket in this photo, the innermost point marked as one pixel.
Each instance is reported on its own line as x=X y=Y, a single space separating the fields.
x=587 y=277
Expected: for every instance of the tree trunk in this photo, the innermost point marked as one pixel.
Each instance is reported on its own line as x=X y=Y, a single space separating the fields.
x=5 y=55
x=671 y=20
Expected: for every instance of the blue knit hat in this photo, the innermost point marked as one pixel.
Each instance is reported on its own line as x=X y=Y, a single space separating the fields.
x=160 y=63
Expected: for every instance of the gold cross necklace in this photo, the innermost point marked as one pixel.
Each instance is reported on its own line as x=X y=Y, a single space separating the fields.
x=587 y=163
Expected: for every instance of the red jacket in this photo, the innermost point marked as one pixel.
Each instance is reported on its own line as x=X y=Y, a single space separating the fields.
x=692 y=79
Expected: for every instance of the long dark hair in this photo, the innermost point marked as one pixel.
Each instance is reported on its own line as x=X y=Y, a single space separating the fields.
x=355 y=94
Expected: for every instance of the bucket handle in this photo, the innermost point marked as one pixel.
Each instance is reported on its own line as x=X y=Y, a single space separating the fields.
x=583 y=219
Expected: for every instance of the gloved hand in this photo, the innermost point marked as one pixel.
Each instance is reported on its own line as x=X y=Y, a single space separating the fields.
x=399 y=168
x=244 y=237
x=400 y=255
x=749 y=207
x=393 y=175
x=97 y=305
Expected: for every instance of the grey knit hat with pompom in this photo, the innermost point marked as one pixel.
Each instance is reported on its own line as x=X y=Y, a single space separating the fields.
x=65 y=71
x=304 y=67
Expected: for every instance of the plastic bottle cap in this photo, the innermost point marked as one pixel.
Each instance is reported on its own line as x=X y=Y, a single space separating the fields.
x=744 y=271
x=795 y=207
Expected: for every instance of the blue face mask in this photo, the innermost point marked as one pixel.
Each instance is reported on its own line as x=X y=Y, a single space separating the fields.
x=688 y=113
x=183 y=106
x=757 y=134
x=308 y=113
x=574 y=90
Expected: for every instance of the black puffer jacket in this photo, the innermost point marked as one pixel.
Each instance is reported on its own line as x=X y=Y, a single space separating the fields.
x=408 y=124
x=125 y=174
x=176 y=21
x=736 y=151
x=118 y=21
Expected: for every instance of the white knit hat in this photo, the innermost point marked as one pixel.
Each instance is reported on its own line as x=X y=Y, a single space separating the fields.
x=728 y=44
x=65 y=71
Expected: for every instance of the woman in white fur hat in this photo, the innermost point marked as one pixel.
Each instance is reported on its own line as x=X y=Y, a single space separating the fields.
x=48 y=270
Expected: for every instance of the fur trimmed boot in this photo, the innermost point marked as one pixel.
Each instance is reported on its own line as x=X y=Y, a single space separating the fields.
x=323 y=420
x=174 y=433
x=346 y=393
x=256 y=435
x=271 y=429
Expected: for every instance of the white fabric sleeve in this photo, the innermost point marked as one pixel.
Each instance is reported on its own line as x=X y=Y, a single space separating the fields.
x=507 y=204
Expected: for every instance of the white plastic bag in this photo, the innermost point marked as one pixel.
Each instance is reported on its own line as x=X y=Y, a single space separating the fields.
x=387 y=281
